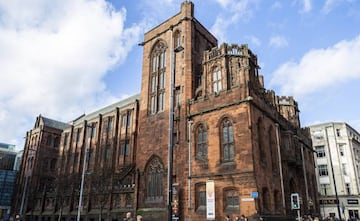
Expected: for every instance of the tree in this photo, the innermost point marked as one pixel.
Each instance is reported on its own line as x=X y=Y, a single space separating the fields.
x=101 y=188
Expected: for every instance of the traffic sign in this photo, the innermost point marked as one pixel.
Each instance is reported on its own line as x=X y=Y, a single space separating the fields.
x=254 y=194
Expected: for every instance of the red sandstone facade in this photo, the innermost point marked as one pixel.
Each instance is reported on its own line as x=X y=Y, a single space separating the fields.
x=227 y=128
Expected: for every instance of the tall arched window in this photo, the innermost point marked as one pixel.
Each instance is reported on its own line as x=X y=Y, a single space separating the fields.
x=273 y=156
x=265 y=200
x=56 y=142
x=157 y=78
x=277 y=201
x=260 y=131
x=227 y=141
x=154 y=180
x=201 y=142
x=217 y=80
x=48 y=140
x=177 y=39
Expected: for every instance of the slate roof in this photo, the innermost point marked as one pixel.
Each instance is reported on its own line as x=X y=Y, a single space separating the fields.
x=107 y=109
x=54 y=123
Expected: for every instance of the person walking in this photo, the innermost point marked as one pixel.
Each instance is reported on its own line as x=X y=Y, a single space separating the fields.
x=129 y=217
x=243 y=218
x=227 y=218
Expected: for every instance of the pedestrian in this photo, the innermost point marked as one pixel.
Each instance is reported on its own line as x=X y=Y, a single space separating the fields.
x=139 y=218
x=243 y=218
x=227 y=218
x=129 y=217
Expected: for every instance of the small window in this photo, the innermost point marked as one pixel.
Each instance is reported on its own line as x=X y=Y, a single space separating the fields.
x=78 y=135
x=320 y=151
x=338 y=132
x=232 y=200
x=216 y=79
x=48 y=140
x=76 y=159
x=177 y=96
x=177 y=39
x=348 y=189
x=66 y=138
x=323 y=171
x=126 y=120
x=200 y=200
x=56 y=142
x=344 y=169
x=342 y=149
x=93 y=130
x=125 y=148
x=325 y=189
x=109 y=124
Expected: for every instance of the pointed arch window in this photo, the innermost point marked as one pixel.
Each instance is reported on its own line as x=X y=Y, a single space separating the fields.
x=265 y=200
x=260 y=131
x=227 y=141
x=157 y=78
x=201 y=142
x=154 y=180
x=217 y=80
x=177 y=39
x=273 y=156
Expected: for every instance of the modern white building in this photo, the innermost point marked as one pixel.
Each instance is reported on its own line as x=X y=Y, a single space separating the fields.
x=337 y=159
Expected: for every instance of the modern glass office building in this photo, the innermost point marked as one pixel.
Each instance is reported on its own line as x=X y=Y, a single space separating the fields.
x=8 y=172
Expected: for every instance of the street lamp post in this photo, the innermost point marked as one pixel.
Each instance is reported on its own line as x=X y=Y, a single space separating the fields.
x=27 y=174
x=171 y=132
x=23 y=195
x=83 y=175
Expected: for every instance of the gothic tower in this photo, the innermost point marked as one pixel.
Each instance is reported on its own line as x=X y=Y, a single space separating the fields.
x=174 y=47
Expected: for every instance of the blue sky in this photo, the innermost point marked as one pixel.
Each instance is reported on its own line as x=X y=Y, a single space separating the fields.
x=63 y=58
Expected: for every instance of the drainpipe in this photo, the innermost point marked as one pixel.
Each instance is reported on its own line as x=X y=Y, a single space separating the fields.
x=189 y=166
x=305 y=176
x=280 y=167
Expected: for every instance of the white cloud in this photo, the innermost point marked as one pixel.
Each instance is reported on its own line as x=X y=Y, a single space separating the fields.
x=278 y=41
x=307 y=5
x=331 y=4
x=254 y=40
x=319 y=69
x=224 y=3
x=276 y=5
x=234 y=10
x=53 y=57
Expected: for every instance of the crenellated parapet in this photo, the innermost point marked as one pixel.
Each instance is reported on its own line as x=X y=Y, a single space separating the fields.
x=229 y=50
x=289 y=109
x=227 y=67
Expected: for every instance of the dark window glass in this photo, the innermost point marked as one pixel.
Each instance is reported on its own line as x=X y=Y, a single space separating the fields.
x=227 y=141
x=157 y=79
x=154 y=180
x=201 y=142
x=202 y=198
x=232 y=200
x=48 y=140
